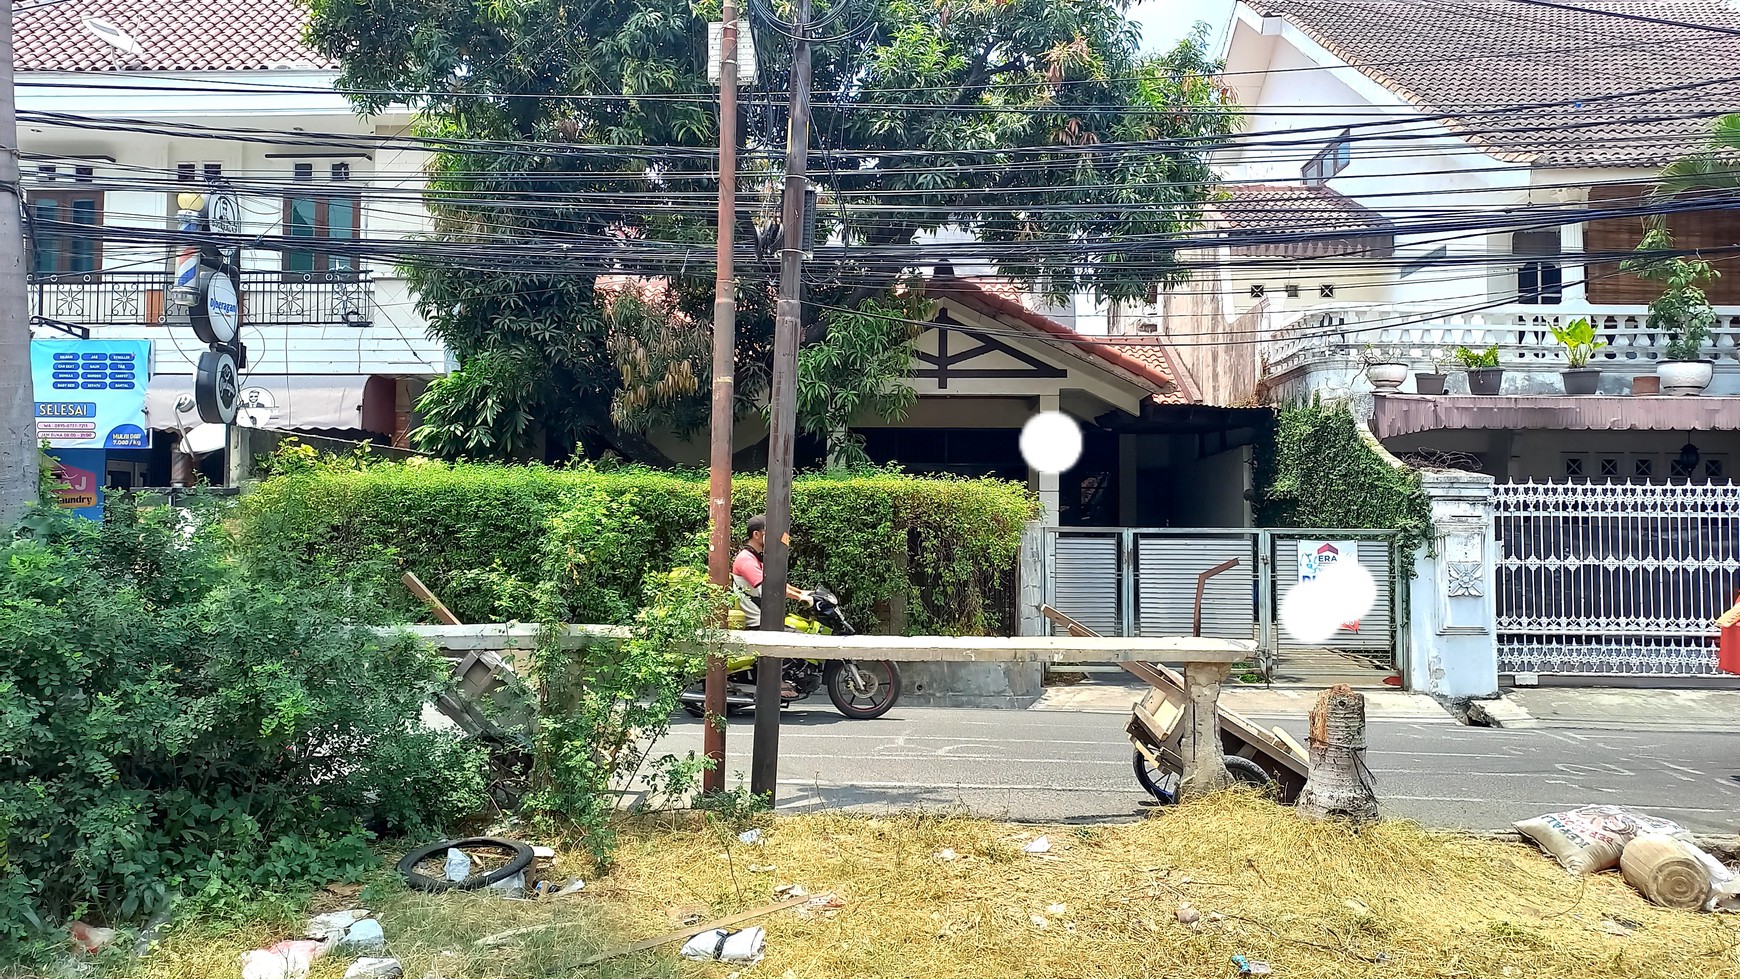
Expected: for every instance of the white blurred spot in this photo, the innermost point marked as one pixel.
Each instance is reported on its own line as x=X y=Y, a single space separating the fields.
x=1051 y=442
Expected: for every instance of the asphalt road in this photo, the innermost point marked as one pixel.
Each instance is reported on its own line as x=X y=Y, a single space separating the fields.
x=1065 y=765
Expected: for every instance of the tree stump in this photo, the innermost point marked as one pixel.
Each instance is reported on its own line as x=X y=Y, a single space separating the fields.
x=1339 y=786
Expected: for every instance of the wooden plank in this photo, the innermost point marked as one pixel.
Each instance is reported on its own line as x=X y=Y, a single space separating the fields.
x=415 y=584
x=899 y=649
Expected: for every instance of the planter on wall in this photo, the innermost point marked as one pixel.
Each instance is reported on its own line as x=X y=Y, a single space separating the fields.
x=1387 y=377
x=1429 y=383
x=1485 y=380
x=1684 y=378
x=1582 y=380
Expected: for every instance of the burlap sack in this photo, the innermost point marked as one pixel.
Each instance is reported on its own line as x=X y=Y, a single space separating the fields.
x=1590 y=839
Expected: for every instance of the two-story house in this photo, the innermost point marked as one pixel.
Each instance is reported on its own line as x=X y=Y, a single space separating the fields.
x=123 y=105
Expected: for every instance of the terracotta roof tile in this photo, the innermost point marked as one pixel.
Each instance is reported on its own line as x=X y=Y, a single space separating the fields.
x=1300 y=219
x=187 y=35
x=1471 y=56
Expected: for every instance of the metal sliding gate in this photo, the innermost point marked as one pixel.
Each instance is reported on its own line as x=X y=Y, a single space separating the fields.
x=1615 y=579
x=1142 y=582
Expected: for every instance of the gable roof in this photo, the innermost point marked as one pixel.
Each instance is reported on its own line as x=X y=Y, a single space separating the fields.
x=186 y=35
x=1304 y=220
x=1144 y=361
x=1467 y=58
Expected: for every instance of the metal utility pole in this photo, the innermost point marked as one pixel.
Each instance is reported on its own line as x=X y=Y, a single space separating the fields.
x=724 y=392
x=787 y=330
x=18 y=445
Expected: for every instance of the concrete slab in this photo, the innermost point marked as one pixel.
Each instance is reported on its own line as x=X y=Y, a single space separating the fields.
x=1612 y=709
x=1116 y=698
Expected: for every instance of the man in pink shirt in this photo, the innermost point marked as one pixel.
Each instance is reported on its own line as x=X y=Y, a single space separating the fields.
x=746 y=574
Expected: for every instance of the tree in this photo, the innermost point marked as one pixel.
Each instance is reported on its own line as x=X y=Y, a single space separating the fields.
x=588 y=128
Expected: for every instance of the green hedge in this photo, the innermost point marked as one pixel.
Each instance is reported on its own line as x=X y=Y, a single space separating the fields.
x=484 y=537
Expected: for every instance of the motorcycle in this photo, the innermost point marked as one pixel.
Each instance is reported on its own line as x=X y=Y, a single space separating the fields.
x=859 y=690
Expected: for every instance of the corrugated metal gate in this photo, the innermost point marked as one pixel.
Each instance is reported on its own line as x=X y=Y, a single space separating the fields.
x=1142 y=582
x=1614 y=578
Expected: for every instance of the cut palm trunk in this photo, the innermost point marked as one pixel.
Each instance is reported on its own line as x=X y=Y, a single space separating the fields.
x=1340 y=785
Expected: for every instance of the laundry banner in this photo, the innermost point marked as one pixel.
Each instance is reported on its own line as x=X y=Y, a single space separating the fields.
x=90 y=394
x=1315 y=555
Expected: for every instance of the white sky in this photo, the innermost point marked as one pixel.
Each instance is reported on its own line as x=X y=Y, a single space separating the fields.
x=1164 y=22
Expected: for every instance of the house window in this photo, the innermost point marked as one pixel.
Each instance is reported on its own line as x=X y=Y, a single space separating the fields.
x=321 y=215
x=1573 y=467
x=1712 y=469
x=1257 y=291
x=74 y=201
x=1643 y=468
x=1329 y=161
x=1610 y=467
x=1326 y=291
x=1539 y=277
x=1293 y=292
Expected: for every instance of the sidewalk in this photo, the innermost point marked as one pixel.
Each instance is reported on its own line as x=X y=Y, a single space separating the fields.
x=1116 y=696
x=1614 y=709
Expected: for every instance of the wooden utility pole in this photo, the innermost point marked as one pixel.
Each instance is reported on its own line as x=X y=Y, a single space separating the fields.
x=19 y=452
x=787 y=330
x=724 y=391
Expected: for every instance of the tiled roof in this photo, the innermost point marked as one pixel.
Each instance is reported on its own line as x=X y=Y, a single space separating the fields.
x=1146 y=364
x=186 y=35
x=1152 y=353
x=1467 y=58
x=1299 y=218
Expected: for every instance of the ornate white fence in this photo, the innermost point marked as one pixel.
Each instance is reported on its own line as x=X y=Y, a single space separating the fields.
x=1614 y=578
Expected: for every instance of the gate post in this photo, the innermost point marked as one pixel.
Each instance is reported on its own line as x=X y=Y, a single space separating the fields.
x=1453 y=639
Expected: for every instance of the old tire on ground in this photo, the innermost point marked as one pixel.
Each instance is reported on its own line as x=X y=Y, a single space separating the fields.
x=522 y=858
x=877 y=701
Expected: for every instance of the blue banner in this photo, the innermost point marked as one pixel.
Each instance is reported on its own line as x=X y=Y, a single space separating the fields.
x=90 y=394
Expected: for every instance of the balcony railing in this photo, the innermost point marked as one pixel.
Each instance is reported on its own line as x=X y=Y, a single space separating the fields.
x=1338 y=337
x=268 y=298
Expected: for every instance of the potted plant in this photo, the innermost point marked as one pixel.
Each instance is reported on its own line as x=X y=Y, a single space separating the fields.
x=1578 y=339
x=1384 y=374
x=1431 y=381
x=1484 y=374
x=1681 y=314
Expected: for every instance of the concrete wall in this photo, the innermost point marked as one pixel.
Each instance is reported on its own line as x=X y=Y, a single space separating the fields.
x=1541 y=455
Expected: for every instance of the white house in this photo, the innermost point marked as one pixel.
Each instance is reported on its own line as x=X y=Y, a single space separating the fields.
x=1418 y=177
x=122 y=105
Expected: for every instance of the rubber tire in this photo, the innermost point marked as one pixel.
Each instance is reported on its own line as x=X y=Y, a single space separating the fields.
x=1139 y=762
x=700 y=710
x=522 y=858
x=834 y=677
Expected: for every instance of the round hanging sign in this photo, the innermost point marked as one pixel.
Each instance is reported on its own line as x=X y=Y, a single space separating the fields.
x=216 y=315
x=216 y=387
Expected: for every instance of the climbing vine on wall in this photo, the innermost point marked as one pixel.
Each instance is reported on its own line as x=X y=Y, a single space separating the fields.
x=1322 y=472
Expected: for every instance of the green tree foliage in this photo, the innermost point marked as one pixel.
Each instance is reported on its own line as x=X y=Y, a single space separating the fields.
x=173 y=721
x=1321 y=472
x=1035 y=125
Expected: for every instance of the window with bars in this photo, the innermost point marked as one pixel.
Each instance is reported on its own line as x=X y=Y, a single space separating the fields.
x=1293 y=292
x=57 y=201
x=187 y=173
x=322 y=215
x=1643 y=468
x=1610 y=467
x=1573 y=467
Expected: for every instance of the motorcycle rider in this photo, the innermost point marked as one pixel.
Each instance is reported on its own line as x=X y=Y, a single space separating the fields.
x=746 y=575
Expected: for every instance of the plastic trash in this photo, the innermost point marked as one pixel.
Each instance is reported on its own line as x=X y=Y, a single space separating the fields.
x=91 y=937
x=1250 y=967
x=330 y=927
x=946 y=856
x=285 y=960
x=751 y=837
x=367 y=968
x=364 y=936
x=458 y=865
x=511 y=887
x=724 y=945
x=1041 y=845
x=1188 y=915
x=575 y=886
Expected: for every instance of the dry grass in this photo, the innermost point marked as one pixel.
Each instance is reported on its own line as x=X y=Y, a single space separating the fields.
x=1313 y=900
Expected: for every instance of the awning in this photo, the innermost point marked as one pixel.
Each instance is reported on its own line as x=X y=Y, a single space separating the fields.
x=296 y=402
x=1408 y=414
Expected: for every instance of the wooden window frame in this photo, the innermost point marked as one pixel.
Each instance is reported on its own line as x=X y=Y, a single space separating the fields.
x=64 y=193
x=321 y=259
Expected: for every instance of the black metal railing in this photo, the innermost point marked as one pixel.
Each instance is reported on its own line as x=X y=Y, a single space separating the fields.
x=142 y=298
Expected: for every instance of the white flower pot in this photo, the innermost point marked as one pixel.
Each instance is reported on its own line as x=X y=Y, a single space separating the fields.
x=1684 y=378
x=1387 y=377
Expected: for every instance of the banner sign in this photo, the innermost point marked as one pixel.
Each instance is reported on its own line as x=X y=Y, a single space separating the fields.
x=81 y=470
x=90 y=394
x=1315 y=555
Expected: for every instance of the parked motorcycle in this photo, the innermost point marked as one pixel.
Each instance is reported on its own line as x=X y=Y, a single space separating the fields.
x=862 y=690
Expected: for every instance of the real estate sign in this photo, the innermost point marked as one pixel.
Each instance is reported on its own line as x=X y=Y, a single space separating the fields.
x=90 y=394
x=1315 y=555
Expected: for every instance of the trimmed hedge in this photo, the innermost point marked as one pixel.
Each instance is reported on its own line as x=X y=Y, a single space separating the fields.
x=484 y=537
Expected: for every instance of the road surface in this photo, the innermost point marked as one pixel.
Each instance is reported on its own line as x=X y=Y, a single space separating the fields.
x=1072 y=765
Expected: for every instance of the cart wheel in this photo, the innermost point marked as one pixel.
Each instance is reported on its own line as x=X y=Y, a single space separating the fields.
x=1160 y=783
x=1248 y=774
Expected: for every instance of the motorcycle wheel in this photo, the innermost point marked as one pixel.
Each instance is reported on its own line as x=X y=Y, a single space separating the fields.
x=882 y=680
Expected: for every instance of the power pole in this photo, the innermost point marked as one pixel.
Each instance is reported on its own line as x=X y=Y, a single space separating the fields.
x=19 y=450
x=724 y=391
x=787 y=330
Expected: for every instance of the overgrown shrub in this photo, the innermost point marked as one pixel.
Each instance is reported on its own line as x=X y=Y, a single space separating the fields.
x=174 y=721
x=1322 y=472
x=483 y=536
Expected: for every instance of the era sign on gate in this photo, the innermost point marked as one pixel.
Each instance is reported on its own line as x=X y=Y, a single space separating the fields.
x=1314 y=555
